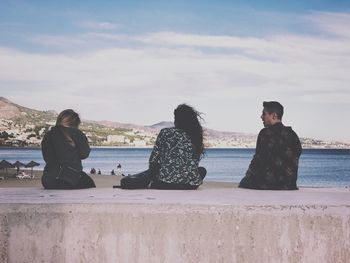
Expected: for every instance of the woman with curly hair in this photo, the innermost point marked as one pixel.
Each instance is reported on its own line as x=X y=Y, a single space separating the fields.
x=174 y=161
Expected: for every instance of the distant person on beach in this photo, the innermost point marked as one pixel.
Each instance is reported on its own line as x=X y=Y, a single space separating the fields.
x=93 y=171
x=99 y=171
x=63 y=148
x=119 y=169
x=275 y=163
x=174 y=161
x=112 y=172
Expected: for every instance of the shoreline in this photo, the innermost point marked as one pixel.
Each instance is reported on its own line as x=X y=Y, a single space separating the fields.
x=107 y=181
x=101 y=181
x=151 y=147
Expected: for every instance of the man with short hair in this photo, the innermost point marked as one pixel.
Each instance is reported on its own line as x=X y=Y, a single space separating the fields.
x=275 y=163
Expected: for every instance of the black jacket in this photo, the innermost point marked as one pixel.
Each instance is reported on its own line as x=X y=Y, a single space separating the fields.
x=275 y=163
x=57 y=151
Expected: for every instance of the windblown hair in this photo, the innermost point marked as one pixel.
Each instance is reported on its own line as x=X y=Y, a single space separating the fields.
x=274 y=107
x=68 y=118
x=187 y=119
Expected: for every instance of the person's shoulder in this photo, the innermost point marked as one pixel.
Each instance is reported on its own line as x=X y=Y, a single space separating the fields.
x=264 y=131
x=170 y=130
x=51 y=135
x=166 y=129
x=273 y=129
x=52 y=131
x=289 y=130
x=293 y=133
x=163 y=133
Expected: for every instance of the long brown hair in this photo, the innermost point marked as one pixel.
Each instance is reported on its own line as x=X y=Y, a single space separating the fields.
x=68 y=118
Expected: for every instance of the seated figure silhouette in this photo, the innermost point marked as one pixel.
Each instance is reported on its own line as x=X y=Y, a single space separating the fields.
x=63 y=148
x=275 y=163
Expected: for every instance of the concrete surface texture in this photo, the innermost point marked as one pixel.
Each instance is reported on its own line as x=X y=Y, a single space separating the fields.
x=208 y=225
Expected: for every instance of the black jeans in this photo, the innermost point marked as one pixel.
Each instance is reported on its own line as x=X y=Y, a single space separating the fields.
x=157 y=184
x=52 y=183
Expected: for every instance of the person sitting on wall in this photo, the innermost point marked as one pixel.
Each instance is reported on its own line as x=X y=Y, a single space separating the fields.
x=63 y=148
x=174 y=161
x=275 y=163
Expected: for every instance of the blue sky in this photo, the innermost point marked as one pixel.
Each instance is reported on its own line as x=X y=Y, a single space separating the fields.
x=134 y=61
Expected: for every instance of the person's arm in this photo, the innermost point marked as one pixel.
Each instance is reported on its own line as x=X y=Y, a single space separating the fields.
x=256 y=171
x=82 y=145
x=297 y=145
x=45 y=150
x=154 y=159
x=292 y=170
x=290 y=167
x=260 y=155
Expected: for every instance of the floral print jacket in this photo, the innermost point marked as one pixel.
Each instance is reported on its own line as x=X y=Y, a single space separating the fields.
x=173 y=153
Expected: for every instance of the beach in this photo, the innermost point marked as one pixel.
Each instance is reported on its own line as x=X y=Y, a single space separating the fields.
x=101 y=181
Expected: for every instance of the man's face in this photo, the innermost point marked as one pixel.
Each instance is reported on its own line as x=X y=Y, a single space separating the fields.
x=268 y=118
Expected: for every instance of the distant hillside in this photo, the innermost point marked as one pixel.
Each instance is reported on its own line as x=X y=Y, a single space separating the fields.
x=8 y=109
x=223 y=134
x=162 y=125
x=23 y=115
x=22 y=126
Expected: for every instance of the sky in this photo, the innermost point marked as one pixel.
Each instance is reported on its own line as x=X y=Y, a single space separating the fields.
x=135 y=61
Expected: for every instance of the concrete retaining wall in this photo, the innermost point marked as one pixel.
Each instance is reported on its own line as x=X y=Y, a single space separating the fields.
x=121 y=232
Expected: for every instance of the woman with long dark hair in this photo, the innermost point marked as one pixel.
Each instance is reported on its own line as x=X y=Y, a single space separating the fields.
x=174 y=161
x=63 y=148
x=177 y=152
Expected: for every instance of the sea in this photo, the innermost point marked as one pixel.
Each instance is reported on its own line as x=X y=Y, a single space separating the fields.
x=317 y=167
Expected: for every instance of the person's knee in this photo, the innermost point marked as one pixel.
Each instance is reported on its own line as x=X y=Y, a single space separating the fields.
x=87 y=182
x=46 y=183
x=243 y=183
x=202 y=172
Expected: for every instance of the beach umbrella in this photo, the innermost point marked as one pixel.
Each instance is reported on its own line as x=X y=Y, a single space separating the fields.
x=31 y=164
x=18 y=164
x=5 y=164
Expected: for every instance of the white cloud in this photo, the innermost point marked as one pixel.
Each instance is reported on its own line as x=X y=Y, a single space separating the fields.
x=280 y=47
x=143 y=83
x=336 y=24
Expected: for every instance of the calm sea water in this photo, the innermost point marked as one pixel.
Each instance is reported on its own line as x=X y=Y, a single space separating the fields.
x=319 y=168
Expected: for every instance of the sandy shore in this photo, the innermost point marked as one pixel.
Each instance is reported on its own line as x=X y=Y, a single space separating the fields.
x=101 y=181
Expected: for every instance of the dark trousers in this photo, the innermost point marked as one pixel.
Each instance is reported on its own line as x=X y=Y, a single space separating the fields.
x=53 y=183
x=157 y=184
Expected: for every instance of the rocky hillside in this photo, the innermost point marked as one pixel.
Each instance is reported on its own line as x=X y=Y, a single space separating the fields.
x=22 y=126
x=22 y=115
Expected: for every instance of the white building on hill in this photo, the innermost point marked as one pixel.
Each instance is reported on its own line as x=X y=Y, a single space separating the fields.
x=115 y=138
